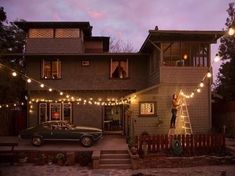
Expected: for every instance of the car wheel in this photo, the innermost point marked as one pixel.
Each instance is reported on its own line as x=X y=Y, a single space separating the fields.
x=86 y=141
x=37 y=140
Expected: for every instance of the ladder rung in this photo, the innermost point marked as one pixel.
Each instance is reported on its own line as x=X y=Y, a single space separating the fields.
x=186 y=127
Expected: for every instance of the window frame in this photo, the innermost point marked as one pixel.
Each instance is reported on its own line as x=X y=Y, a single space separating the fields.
x=111 y=70
x=50 y=111
x=51 y=71
x=71 y=111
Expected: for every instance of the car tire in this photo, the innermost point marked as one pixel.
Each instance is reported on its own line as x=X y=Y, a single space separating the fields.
x=86 y=141
x=37 y=140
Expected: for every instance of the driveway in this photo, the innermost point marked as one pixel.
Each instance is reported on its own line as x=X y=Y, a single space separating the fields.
x=114 y=142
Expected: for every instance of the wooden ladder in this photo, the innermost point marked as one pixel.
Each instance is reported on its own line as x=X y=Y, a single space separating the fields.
x=184 y=116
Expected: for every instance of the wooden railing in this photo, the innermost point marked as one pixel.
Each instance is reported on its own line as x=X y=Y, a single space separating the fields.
x=195 y=144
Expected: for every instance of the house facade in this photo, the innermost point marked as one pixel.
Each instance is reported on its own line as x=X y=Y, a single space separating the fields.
x=79 y=80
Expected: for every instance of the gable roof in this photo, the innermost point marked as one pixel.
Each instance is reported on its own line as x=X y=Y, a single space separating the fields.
x=180 y=35
x=25 y=25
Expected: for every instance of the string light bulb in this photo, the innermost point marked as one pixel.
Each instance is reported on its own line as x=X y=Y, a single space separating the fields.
x=192 y=95
x=61 y=93
x=217 y=58
x=14 y=74
x=29 y=80
x=201 y=84
x=42 y=85
x=50 y=89
x=231 y=31
x=198 y=90
x=209 y=75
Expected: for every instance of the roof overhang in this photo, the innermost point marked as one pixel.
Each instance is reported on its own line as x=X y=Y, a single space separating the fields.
x=180 y=35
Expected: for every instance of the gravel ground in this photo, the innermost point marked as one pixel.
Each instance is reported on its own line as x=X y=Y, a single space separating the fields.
x=55 y=170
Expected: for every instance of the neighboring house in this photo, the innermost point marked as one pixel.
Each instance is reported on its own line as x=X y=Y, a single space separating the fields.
x=65 y=56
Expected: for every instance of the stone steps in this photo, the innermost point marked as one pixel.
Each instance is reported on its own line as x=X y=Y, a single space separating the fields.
x=114 y=159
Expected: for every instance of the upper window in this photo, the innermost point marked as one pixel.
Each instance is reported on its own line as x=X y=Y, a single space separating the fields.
x=67 y=33
x=119 y=69
x=41 y=33
x=185 y=54
x=51 y=69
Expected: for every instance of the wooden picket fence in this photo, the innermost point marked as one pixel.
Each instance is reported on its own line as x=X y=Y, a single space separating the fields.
x=195 y=144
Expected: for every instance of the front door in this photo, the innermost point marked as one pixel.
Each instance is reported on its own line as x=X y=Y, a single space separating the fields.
x=113 y=119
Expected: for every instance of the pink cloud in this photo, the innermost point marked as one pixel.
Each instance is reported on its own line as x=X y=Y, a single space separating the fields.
x=96 y=15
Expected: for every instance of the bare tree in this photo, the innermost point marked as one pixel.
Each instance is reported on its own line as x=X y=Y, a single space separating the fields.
x=119 y=46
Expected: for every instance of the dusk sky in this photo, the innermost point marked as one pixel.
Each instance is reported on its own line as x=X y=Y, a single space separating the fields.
x=128 y=20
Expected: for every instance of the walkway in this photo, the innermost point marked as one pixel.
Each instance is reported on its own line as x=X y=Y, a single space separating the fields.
x=54 y=170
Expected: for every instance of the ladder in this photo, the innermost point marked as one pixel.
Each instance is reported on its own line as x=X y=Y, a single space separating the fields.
x=184 y=116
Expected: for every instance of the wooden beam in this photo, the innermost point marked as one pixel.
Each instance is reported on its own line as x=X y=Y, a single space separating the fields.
x=155 y=45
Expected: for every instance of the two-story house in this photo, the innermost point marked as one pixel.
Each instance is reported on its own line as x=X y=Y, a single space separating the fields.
x=79 y=80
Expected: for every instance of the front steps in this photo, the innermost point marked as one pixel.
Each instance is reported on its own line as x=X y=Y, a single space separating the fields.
x=114 y=159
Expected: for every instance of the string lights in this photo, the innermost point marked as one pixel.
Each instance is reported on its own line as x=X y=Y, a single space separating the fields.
x=68 y=98
x=201 y=84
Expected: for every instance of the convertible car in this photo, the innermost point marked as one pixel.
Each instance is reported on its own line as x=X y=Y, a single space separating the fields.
x=61 y=130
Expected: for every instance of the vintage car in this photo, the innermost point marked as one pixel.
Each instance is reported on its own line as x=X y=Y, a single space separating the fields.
x=61 y=130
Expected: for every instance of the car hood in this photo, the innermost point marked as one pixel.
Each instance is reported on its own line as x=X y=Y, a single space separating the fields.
x=88 y=128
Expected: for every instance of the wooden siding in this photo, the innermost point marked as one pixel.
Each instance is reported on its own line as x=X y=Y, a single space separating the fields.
x=55 y=46
x=93 y=47
x=154 y=68
x=182 y=75
x=199 y=108
x=93 y=77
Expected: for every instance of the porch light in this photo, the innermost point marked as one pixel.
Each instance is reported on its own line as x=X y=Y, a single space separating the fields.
x=208 y=75
x=201 y=84
x=231 y=31
x=14 y=74
x=42 y=85
x=29 y=80
x=50 y=89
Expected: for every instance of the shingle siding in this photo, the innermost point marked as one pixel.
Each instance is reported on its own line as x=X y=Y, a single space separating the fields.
x=55 y=46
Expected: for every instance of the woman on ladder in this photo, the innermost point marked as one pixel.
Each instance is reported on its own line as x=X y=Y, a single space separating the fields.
x=175 y=104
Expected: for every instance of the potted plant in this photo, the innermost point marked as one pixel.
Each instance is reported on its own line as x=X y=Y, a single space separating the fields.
x=60 y=158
